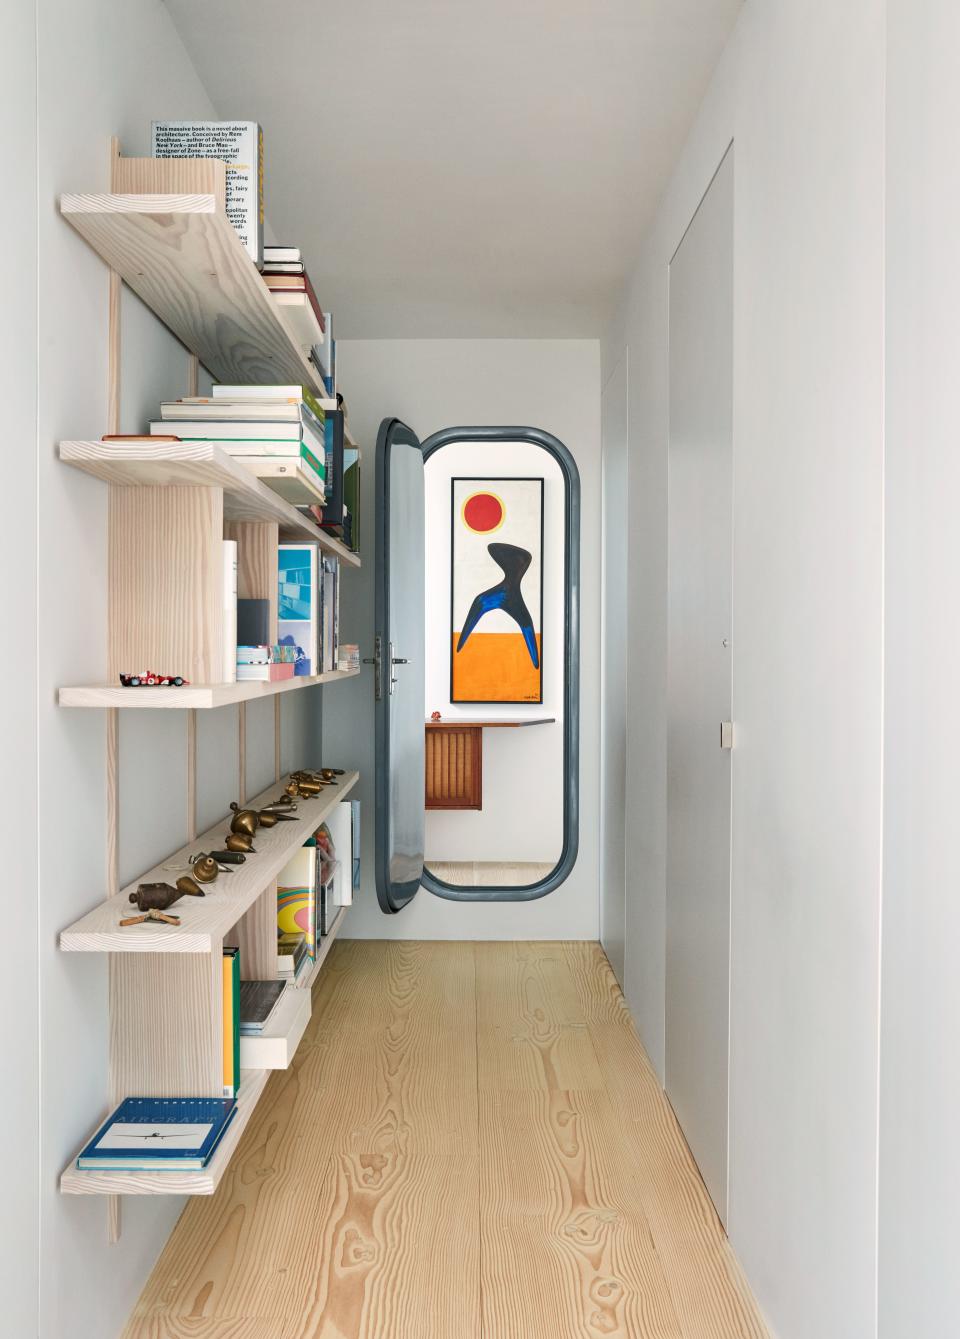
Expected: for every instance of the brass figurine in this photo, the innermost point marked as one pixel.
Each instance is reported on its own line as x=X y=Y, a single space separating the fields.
x=239 y=841
x=155 y=896
x=205 y=868
x=244 y=820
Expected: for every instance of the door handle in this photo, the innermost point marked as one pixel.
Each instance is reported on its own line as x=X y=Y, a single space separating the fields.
x=726 y=735
x=398 y=660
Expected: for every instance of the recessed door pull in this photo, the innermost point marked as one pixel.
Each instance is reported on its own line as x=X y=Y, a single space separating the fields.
x=726 y=734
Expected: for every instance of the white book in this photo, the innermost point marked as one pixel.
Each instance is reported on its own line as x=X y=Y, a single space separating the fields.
x=300 y=318
x=230 y=411
x=262 y=433
x=282 y=253
x=229 y=611
x=340 y=824
x=226 y=391
x=323 y=348
x=291 y=477
x=239 y=144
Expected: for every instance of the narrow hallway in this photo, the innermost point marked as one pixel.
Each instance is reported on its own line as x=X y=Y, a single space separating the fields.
x=470 y=1142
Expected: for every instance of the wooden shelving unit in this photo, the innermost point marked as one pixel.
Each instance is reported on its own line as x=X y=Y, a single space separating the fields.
x=201 y=465
x=199 y=697
x=163 y=230
x=206 y=921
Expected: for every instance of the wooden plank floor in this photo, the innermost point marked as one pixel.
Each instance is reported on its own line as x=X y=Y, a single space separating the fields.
x=471 y=1144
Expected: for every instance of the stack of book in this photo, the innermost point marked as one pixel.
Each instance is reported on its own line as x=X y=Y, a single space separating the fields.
x=292 y=956
x=286 y=276
x=258 y=1000
x=266 y=664
x=277 y=432
x=305 y=888
x=159 y=1134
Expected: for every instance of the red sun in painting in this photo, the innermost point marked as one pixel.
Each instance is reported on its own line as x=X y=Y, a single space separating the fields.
x=483 y=513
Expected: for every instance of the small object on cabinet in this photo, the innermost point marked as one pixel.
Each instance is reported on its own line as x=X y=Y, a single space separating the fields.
x=239 y=841
x=189 y=887
x=269 y=818
x=157 y=896
x=228 y=857
x=244 y=820
x=435 y=716
x=152 y=915
x=205 y=868
x=150 y=679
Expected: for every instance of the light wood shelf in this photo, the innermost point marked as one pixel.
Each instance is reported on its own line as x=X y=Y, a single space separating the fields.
x=195 y=696
x=76 y=1182
x=200 y=465
x=181 y=255
x=274 y=1047
x=205 y=921
x=326 y=944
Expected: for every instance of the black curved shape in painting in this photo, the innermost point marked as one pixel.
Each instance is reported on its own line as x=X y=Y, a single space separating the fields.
x=513 y=563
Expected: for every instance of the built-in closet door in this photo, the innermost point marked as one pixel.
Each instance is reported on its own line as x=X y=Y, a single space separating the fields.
x=699 y=681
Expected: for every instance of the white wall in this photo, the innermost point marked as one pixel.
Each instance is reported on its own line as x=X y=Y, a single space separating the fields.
x=19 y=1111
x=920 y=1065
x=522 y=814
x=105 y=68
x=800 y=90
x=434 y=384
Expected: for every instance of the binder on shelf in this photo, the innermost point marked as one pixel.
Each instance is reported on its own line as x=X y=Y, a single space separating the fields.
x=231 y=1022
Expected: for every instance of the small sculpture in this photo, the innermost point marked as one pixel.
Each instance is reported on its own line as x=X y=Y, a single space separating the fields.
x=205 y=868
x=157 y=896
x=189 y=887
x=228 y=857
x=244 y=820
x=240 y=841
x=435 y=716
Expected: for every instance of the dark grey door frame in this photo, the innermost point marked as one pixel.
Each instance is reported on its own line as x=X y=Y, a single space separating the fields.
x=571 y=664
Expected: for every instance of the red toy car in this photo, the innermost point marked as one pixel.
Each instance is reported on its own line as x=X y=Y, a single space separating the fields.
x=148 y=679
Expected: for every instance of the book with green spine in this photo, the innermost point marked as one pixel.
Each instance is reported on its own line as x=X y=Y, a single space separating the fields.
x=231 y=1022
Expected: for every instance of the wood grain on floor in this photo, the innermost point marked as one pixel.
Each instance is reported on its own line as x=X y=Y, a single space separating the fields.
x=470 y=1144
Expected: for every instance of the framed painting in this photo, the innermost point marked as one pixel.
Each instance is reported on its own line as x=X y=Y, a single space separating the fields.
x=496 y=590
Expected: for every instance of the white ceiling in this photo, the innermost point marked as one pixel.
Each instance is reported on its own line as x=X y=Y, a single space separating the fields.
x=458 y=168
